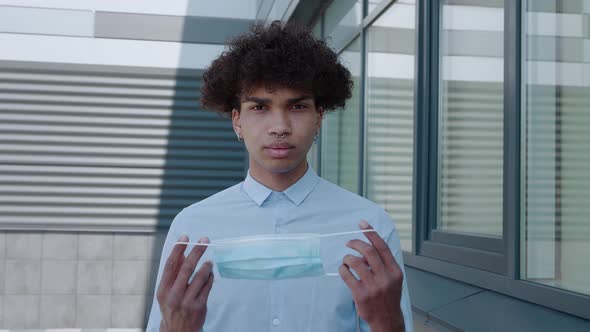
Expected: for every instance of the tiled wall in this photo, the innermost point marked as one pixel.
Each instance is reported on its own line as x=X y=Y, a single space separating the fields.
x=77 y=280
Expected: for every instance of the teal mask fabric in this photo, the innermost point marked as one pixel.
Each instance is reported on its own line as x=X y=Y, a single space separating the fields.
x=270 y=257
x=275 y=256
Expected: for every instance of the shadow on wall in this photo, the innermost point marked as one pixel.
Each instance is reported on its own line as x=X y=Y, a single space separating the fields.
x=203 y=156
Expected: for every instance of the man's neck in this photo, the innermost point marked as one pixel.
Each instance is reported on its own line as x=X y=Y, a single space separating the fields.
x=278 y=181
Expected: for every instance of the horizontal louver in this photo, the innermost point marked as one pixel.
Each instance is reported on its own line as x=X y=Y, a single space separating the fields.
x=471 y=158
x=102 y=147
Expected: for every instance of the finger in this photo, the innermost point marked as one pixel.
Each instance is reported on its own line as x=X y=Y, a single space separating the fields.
x=381 y=247
x=188 y=267
x=173 y=263
x=199 y=280
x=204 y=293
x=369 y=253
x=348 y=278
x=359 y=265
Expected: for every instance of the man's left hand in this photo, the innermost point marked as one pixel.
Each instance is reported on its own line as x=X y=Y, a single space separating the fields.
x=377 y=293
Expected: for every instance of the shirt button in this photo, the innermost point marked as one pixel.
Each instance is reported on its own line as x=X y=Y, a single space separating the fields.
x=276 y=322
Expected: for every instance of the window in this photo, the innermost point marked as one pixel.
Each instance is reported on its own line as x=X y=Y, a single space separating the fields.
x=470 y=118
x=476 y=143
x=390 y=112
x=556 y=147
x=342 y=21
x=341 y=130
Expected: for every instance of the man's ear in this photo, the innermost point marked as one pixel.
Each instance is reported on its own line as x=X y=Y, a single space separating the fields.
x=321 y=114
x=235 y=119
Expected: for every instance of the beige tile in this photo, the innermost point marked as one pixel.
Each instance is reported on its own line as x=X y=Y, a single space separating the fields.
x=21 y=245
x=155 y=245
x=60 y=246
x=24 y=277
x=132 y=246
x=131 y=277
x=93 y=311
x=128 y=311
x=58 y=277
x=95 y=277
x=21 y=311
x=58 y=311
x=95 y=246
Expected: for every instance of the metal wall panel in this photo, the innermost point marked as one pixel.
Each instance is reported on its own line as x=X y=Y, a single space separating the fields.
x=107 y=148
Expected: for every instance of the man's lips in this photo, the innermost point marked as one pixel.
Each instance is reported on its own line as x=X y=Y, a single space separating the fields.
x=282 y=145
x=279 y=150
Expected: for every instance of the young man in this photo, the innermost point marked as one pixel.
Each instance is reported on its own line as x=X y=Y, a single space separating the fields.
x=277 y=83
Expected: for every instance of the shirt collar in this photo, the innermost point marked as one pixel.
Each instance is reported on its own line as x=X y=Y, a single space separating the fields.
x=297 y=192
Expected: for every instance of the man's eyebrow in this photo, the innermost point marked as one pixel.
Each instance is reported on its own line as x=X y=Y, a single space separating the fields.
x=267 y=101
x=257 y=100
x=298 y=99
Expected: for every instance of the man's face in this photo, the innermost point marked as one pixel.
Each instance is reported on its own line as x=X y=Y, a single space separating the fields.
x=278 y=128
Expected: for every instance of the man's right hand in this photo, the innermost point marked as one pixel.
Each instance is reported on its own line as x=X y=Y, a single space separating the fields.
x=183 y=304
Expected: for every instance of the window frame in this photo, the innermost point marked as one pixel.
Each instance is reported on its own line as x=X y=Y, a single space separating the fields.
x=485 y=252
x=482 y=261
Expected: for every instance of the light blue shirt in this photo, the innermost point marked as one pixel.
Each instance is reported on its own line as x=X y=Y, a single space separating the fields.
x=311 y=205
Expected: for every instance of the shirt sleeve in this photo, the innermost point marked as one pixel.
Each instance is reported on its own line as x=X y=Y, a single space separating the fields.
x=394 y=244
x=153 y=324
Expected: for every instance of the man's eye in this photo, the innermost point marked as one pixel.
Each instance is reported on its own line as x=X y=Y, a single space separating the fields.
x=258 y=107
x=299 y=106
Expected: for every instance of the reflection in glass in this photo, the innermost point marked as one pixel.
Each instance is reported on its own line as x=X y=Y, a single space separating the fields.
x=341 y=130
x=390 y=103
x=470 y=133
x=555 y=229
x=342 y=21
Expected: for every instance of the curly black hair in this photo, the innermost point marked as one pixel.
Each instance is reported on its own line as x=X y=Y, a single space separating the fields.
x=278 y=55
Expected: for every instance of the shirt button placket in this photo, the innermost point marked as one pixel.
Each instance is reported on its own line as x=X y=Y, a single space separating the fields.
x=276 y=322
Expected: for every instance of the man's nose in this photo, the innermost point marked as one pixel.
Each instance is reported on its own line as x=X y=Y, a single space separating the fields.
x=281 y=124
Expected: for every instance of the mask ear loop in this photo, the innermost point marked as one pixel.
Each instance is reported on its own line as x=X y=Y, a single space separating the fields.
x=321 y=235
x=195 y=243
x=336 y=274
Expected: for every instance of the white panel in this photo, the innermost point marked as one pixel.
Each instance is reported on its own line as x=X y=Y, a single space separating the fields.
x=473 y=18
x=552 y=24
x=557 y=73
x=586 y=50
x=398 y=16
x=468 y=68
x=46 y=21
x=245 y=9
x=106 y=51
x=387 y=65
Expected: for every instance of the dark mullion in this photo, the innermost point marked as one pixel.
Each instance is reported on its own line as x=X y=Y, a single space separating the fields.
x=422 y=94
x=362 y=114
x=320 y=138
x=433 y=116
x=512 y=135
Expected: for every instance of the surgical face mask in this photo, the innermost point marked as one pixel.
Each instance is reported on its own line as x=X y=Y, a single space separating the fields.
x=274 y=256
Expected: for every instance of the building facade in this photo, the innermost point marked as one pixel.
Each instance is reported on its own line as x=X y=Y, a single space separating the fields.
x=468 y=124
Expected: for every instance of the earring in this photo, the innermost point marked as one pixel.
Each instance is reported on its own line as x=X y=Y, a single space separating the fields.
x=239 y=137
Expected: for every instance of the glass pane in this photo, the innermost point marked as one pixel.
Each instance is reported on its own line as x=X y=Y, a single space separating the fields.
x=317 y=29
x=341 y=130
x=371 y=5
x=390 y=115
x=341 y=21
x=470 y=152
x=556 y=147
